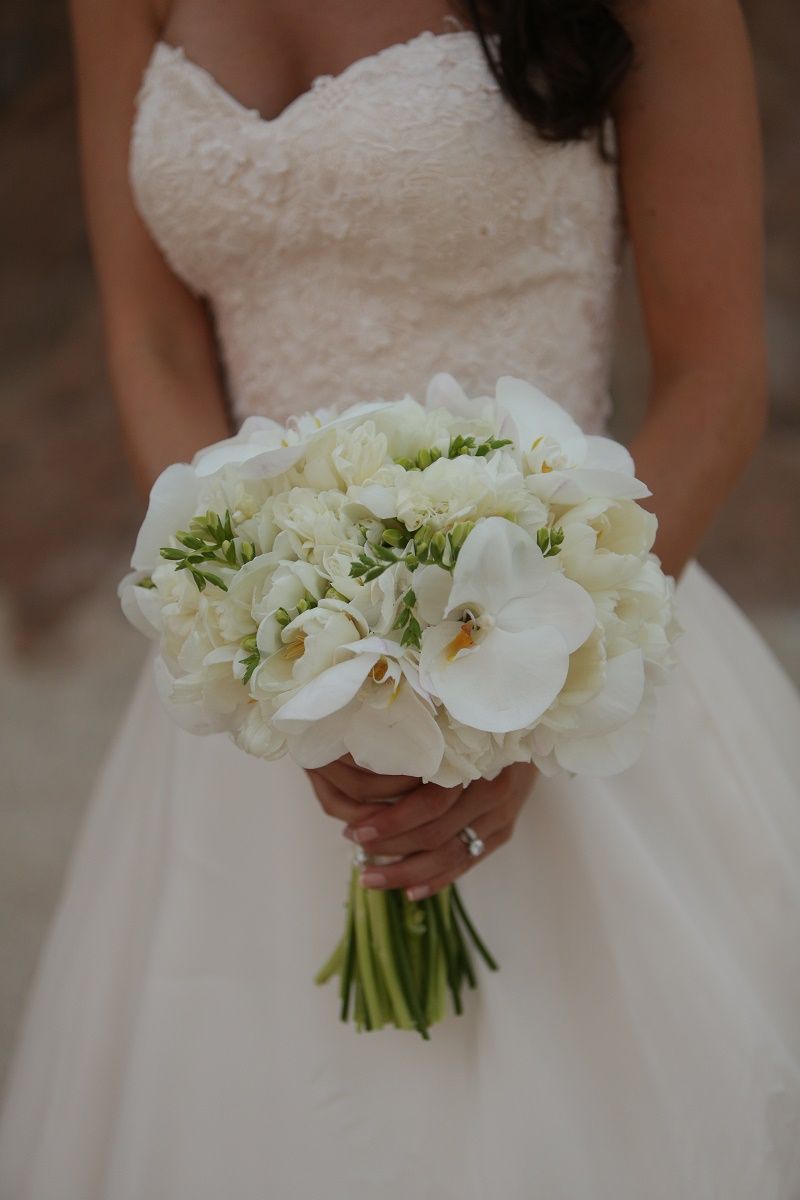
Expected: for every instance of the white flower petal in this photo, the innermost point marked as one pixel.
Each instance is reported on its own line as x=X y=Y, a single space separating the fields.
x=497 y=562
x=142 y=606
x=505 y=683
x=619 y=698
x=576 y=485
x=268 y=463
x=608 y=754
x=535 y=415
x=604 y=454
x=561 y=603
x=399 y=738
x=321 y=742
x=432 y=586
x=173 y=503
x=330 y=691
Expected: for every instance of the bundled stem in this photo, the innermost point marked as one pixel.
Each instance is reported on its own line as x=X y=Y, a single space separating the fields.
x=397 y=958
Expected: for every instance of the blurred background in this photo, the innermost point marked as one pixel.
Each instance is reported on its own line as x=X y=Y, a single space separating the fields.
x=67 y=657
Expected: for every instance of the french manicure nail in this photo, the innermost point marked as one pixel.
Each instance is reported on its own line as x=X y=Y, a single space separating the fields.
x=372 y=879
x=419 y=892
x=365 y=834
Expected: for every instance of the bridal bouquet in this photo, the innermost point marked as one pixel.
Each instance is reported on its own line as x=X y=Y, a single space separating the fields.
x=439 y=590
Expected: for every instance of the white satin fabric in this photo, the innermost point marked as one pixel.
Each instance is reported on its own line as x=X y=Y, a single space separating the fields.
x=642 y=1039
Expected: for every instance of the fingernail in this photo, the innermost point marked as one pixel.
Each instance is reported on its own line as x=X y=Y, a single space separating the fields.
x=364 y=834
x=419 y=892
x=373 y=879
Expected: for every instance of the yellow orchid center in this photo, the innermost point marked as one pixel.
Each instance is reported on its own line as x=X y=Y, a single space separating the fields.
x=380 y=669
x=462 y=641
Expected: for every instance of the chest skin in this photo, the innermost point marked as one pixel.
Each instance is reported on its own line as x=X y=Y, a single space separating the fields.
x=267 y=54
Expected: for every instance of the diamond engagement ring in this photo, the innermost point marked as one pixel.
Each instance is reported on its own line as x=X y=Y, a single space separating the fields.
x=472 y=841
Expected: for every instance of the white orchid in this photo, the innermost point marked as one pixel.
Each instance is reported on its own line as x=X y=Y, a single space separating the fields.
x=369 y=705
x=564 y=465
x=173 y=502
x=501 y=655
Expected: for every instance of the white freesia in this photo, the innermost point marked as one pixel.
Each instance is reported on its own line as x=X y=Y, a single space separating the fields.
x=502 y=656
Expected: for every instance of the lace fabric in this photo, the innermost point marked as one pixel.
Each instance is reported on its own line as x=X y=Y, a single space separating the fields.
x=394 y=220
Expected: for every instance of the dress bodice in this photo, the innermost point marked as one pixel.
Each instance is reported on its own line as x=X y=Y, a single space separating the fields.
x=395 y=220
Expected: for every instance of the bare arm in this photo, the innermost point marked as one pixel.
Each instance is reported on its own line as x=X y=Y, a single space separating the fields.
x=159 y=341
x=691 y=181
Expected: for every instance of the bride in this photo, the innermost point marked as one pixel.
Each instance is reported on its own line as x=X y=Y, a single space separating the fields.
x=294 y=204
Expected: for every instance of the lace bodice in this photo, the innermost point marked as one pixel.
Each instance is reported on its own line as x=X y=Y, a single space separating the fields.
x=395 y=220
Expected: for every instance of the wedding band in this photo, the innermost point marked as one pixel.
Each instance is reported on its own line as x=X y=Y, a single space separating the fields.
x=472 y=841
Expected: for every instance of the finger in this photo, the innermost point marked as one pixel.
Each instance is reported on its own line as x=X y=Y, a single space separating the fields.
x=335 y=803
x=363 y=785
x=429 y=888
x=416 y=808
x=446 y=862
x=473 y=803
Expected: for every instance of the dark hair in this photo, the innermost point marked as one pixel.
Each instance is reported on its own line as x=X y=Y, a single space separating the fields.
x=559 y=62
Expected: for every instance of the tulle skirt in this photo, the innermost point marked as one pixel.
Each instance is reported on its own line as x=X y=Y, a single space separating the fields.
x=641 y=1040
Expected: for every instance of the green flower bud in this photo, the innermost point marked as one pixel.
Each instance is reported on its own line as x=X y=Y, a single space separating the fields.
x=424 y=459
x=460 y=532
x=438 y=546
x=394 y=537
x=282 y=617
x=250 y=644
x=302 y=605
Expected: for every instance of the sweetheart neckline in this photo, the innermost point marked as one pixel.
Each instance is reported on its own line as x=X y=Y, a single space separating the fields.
x=318 y=83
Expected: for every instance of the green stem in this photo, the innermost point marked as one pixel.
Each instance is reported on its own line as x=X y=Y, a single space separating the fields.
x=394 y=907
x=382 y=942
x=350 y=956
x=334 y=963
x=366 y=972
x=462 y=950
x=434 y=1001
x=439 y=900
x=476 y=938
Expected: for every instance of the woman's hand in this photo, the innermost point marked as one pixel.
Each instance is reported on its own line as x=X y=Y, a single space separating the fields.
x=423 y=825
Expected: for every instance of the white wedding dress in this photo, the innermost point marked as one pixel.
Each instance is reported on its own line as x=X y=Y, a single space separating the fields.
x=642 y=1038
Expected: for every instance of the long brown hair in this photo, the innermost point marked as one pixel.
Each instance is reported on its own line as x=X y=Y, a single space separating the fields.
x=559 y=62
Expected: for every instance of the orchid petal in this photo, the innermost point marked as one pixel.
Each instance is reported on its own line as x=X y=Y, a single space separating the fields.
x=504 y=683
x=536 y=415
x=268 y=463
x=497 y=562
x=321 y=742
x=604 y=454
x=561 y=603
x=432 y=586
x=330 y=691
x=173 y=503
x=399 y=738
x=142 y=606
x=581 y=483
